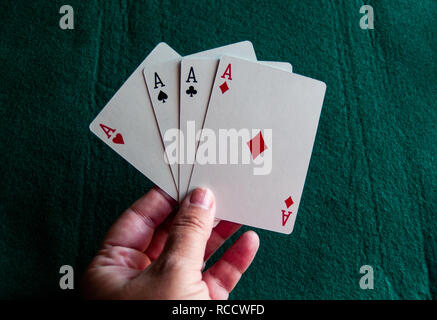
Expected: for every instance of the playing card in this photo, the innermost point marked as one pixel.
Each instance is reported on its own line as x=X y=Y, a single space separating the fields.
x=162 y=81
x=127 y=124
x=256 y=144
x=197 y=78
x=163 y=86
x=285 y=66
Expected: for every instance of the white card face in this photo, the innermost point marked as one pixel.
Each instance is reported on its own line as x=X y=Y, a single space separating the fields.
x=127 y=124
x=258 y=179
x=163 y=85
x=197 y=79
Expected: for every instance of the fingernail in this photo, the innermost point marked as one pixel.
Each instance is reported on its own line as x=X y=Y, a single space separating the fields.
x=201 y=197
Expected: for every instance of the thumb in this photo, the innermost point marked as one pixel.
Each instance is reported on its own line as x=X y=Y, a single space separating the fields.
x=190 y=231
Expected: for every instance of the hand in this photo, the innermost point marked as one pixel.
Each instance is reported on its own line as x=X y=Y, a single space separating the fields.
x=145 y=257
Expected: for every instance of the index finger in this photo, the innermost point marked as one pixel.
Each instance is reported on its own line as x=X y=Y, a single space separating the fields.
x=135 y=227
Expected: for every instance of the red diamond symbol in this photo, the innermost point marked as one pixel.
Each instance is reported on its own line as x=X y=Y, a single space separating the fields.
x=224 y=87
x=256 y=145
x=288 y=202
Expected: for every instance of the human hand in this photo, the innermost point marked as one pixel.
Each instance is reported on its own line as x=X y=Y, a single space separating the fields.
x=148 y=254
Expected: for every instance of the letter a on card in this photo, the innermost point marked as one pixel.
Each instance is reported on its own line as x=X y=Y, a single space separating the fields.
x=227 y=73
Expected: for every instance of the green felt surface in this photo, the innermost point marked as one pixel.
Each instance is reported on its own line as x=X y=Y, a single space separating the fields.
x=370 y=194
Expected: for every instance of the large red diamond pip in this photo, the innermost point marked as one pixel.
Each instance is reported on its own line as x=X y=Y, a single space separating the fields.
x=257 y=145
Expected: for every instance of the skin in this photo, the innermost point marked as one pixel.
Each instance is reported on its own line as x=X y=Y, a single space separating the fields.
x=153 y=253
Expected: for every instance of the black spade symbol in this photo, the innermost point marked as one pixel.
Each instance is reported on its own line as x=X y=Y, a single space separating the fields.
x=162 y=96
x=191 y=91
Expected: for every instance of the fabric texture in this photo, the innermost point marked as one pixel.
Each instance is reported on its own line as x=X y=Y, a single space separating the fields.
x=370 y=194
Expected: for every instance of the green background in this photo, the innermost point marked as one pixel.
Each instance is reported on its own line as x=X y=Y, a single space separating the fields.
x=370 y=194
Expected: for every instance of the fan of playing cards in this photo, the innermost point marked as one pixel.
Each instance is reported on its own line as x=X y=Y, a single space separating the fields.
x=223 y=120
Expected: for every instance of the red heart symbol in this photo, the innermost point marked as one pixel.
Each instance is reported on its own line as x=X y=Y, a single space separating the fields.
x=118 y=139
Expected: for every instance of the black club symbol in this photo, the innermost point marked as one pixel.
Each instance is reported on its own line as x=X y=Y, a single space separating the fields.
x=191 y=91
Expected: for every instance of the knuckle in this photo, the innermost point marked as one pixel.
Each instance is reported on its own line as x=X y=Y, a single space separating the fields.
x=192 y=220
